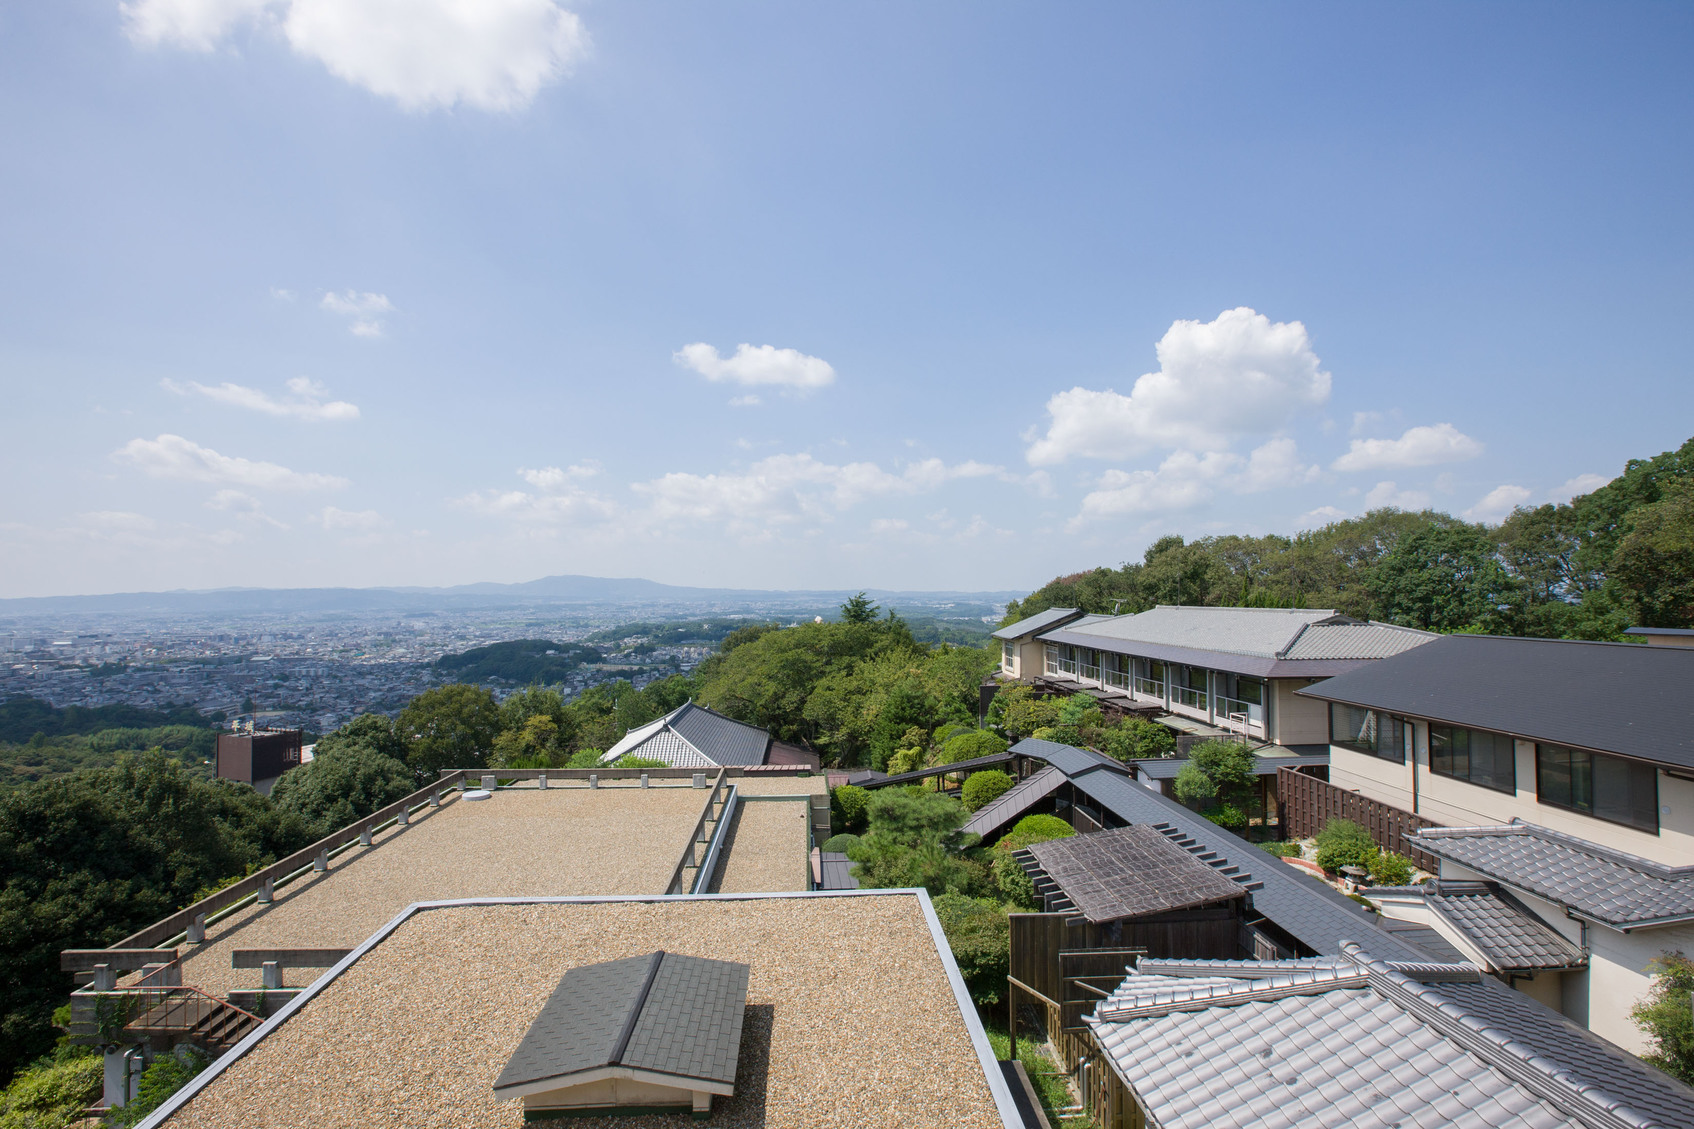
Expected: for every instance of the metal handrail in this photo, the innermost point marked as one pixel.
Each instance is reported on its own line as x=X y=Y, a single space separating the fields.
x=689 y=857
x=703 y=876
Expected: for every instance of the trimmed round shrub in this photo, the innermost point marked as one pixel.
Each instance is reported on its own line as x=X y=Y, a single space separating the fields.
x=1344 y=843
x=840 y=842
x=1039 y=829
x=1228 y=816
x=968 y=746
x=847 y=808
x=1390 y=869
x=985 y=787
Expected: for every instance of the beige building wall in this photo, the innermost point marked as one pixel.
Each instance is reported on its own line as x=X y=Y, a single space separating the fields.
x=1298 y=720
x=1460 y=804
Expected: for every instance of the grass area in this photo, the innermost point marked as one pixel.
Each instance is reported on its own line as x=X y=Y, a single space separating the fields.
x=1050 y=1086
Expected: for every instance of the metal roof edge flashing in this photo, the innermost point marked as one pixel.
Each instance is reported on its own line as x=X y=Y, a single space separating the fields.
x=1588 y=1104
x=997 y=1085
x=1315 y=982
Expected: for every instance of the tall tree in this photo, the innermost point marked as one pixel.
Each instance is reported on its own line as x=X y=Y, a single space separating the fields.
x=1654 y=563
x=449 y=727
x=1441 y=579
x=859 y=609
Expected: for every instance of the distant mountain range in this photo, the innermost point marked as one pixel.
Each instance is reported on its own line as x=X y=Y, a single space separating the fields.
x=587 y=591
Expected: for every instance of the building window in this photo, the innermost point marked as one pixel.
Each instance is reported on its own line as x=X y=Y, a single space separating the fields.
x=1008 y=657
x=1051 y=652
x=1488 y=760
x=1595 y=784
x=1368 y=731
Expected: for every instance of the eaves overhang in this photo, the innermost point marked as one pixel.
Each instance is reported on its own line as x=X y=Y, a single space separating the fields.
x=1254 y=665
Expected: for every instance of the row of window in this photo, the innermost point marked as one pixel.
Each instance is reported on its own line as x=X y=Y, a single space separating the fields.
x=1606 y=787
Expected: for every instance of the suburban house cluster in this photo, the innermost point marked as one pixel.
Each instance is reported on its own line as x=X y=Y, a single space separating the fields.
x=672 y=942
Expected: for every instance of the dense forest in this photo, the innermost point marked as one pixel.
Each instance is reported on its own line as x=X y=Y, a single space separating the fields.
x=38 y=740
x=1618 y=557
x=520 y=661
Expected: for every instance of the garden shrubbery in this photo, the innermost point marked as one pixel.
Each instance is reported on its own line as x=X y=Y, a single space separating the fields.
x=985 y=787
x=980 y=936
x=847 y=808
x=1344 y=843
x=1010 y=881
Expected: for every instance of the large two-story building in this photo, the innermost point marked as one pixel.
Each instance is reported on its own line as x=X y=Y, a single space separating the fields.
x=1232 y=670
x=1560 y=776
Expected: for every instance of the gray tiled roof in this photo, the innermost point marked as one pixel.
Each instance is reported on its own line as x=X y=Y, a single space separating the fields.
x=1506 y=933
x=837 y=871
x=1068 y=759
x=1263 y=632
x=1354 y=641
x=1361 y=1042
x=1592 y=881
x=693 y=736
x=686 y=1023
x=1030 y=624
x=1130 y=872
x=1308 y=910
x=1612 y=697
x=1011 y=805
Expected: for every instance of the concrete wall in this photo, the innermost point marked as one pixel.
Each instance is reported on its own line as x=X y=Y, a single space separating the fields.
x=1296 y=720
x=1460 y=804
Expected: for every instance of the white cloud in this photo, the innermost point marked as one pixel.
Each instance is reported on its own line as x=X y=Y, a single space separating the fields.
x=887 y=525
x=1240 y=374
x=1388 y=494
x=282 y=295
x=1497 y=504
x=1322 y=516
x=172 y=456
x=559 y=499
x=363 y=308
x=1273 y=465
x=1184 y=480
x=757 y=365
x=493 y=55
x=745 y=402
x=359 y=521
x=117 y=521
x=1419 y=446
x=1578 y=486
x=234 y=500
x=786 y=488
x=307 y=402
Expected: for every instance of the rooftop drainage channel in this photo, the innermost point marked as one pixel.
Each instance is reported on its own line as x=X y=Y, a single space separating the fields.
x=703 y=876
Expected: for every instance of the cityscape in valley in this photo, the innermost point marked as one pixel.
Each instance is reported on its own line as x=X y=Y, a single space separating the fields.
x=846 y=567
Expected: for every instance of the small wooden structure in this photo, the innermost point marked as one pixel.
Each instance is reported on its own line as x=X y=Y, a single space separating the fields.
x=656 y=1033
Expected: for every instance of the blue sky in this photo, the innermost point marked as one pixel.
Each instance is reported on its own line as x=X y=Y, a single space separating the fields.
x=300 y=292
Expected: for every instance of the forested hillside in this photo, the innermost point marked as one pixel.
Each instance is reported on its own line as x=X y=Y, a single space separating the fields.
x=520 y=661
x=1618 y=557
x=38 y=740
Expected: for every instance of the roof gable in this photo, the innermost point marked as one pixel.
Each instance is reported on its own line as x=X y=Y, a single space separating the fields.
x=1028 y=625
x=1130 y=872
x=663 y=1012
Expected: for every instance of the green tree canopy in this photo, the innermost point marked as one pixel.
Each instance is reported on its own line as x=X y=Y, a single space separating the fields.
x=1654 y=562
x=448 y=727
x=859 y=609
x=343 y=784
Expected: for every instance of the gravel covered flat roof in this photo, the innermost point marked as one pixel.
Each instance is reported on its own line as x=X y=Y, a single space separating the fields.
x=413 y=1031
x=612 y=840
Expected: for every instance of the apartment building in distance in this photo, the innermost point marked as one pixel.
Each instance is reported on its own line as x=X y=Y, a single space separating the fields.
x=1551 y=785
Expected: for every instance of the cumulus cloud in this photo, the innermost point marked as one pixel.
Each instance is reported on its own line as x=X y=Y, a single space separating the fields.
x=363 y=309
x=1419 y=446
x=1186 y=480
x=559 y=499
x=1322 y=516
x=172 y=456
x=787 y=488
x=1239 y=374
x=751 y=365
x=1389 y=494
x=493 y=55
x=306 y=402
x=1497 y=504
x=1578 y=486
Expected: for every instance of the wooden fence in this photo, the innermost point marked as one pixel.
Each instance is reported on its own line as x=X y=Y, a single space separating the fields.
x=1308 y=803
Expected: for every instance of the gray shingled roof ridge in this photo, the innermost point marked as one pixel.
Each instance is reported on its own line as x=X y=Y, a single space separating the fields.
x=1439 y=895
x=1560 y=1087
x=1082 y=859
x=691 y=704
x=1307 y=982
x=1006 y=807
x=1017 y=629
x=1645 y=865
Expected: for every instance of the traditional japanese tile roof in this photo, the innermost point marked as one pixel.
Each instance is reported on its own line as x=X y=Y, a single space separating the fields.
x=1269 y=642
x=1611 y=887
x=1130 y=872
x=1029 y=625
x=664 y=1013
x=1503 y=930
x=1354 y=1040
x=693 y=736
x=1612 y=697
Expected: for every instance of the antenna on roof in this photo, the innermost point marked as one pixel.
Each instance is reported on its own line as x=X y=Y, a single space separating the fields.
x=1118 y=603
